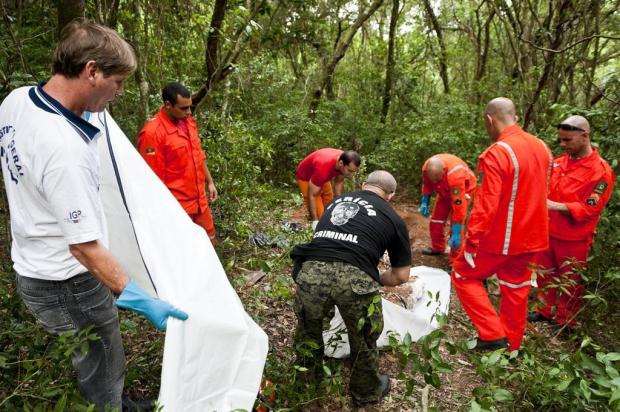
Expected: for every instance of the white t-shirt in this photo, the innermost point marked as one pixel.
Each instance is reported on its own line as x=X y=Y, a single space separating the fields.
x=50 y=165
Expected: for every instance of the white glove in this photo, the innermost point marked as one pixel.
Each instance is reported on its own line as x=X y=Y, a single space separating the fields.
x=314 y=223
x=469 y=258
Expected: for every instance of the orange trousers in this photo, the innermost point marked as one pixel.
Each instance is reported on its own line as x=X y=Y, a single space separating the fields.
x=515 y=282
x=560 y=265
x=326 y=194
x=437 y=227
x=204 y=219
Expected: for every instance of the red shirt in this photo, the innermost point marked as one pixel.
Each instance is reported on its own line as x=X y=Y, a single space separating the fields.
x=584 y=185
x=457 y=184
x=176 y=158
x=319 y=166
x=509 y=216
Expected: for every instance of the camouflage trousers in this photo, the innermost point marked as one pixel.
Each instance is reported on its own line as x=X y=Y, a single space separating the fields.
x=320 y=286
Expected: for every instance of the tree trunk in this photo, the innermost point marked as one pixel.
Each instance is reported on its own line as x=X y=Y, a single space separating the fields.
x=211 y=54
x=329 y=65
x=550 y=60
x=389 y=67
x=69 y=10
x=443 y=55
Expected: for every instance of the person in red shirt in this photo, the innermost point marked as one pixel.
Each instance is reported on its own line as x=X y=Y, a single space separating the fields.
x=315 y=174
x=507 y=225
x=454 y=183
x=170 y=144
x=581 y=184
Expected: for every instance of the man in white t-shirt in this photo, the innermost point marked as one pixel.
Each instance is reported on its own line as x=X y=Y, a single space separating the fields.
x=48 y=154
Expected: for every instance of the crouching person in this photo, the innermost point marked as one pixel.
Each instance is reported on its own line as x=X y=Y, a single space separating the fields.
x=339 y=267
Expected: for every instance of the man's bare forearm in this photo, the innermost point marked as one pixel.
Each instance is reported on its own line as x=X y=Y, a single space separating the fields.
x=101 y=264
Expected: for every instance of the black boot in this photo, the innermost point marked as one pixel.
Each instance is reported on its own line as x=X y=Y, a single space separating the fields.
x=488 y=345
x=130 y=405
x=385 y=389
x=534 y=317
x=430 y=252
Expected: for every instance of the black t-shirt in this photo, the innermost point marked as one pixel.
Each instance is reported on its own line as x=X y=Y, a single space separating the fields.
x=357 y=228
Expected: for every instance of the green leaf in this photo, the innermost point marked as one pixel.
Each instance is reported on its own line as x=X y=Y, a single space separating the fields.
x=360 y=323
x=407 y=339
x=585 y=389
x=371 y=310
x=614 y=396
x=494 y=357
x=563 y=385
x=474 y=406
x=502 y=395
x=61 y=405
x=610 y=357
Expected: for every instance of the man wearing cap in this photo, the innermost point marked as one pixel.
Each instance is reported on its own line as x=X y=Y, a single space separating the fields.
x=581 y=185
x=315 y=174
x=454 y=183
x=507 y=225
x=170 y=144
x=339 y=267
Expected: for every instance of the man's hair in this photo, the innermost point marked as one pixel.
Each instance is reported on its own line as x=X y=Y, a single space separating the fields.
x=170 y=92
x=82 y=41
x=350 y=156
x=382 y=180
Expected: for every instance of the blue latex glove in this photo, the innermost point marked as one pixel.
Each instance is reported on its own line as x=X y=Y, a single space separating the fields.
x=424 y=207
x=455 y=238
x=155 y=310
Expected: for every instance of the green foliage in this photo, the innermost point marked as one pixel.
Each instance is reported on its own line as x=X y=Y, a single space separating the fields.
x=425 y=359
x=35 y=368
x=586 y=379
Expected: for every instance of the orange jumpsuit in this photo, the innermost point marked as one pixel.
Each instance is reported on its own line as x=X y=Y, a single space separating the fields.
x=179 y=161
x=454 y=192
x=584 y=185
x=507 y=225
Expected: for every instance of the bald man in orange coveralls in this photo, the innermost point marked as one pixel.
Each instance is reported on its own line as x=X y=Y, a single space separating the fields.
x=581 y=184
x=454 y=182
x=507 y=225
x=170 y=144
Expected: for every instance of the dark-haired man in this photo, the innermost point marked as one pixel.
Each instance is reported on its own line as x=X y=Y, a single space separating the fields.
x=50 y=163
x=581 y=184
x=315 y=174
x=339 y=267
x=170 y=144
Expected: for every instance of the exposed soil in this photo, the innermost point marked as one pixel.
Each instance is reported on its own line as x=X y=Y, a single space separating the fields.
x=279 y=322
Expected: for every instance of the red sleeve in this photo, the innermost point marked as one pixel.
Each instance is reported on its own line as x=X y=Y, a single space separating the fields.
x=594 y=199
x=152 y=151
x=488 y=194
x=458 y=190
x=427 y=185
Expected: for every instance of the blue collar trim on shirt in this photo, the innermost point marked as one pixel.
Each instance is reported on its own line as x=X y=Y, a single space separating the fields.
x=46 y=102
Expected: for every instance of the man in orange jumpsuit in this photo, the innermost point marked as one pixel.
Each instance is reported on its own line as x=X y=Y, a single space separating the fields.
x=507 y=225
x=581 y=184
x=454 y=183
x=315 y=173
x=170 y=144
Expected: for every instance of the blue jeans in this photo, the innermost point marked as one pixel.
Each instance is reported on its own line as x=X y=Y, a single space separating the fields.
x=70 y=306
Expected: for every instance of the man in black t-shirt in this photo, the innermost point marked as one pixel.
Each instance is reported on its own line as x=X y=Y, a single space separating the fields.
x=339 y=267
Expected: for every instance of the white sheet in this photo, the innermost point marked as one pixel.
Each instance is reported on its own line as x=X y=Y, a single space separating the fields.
x=418 y=321
x=214 y=360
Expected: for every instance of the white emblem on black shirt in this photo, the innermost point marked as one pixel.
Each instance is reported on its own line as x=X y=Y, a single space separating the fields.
x=343 y=212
